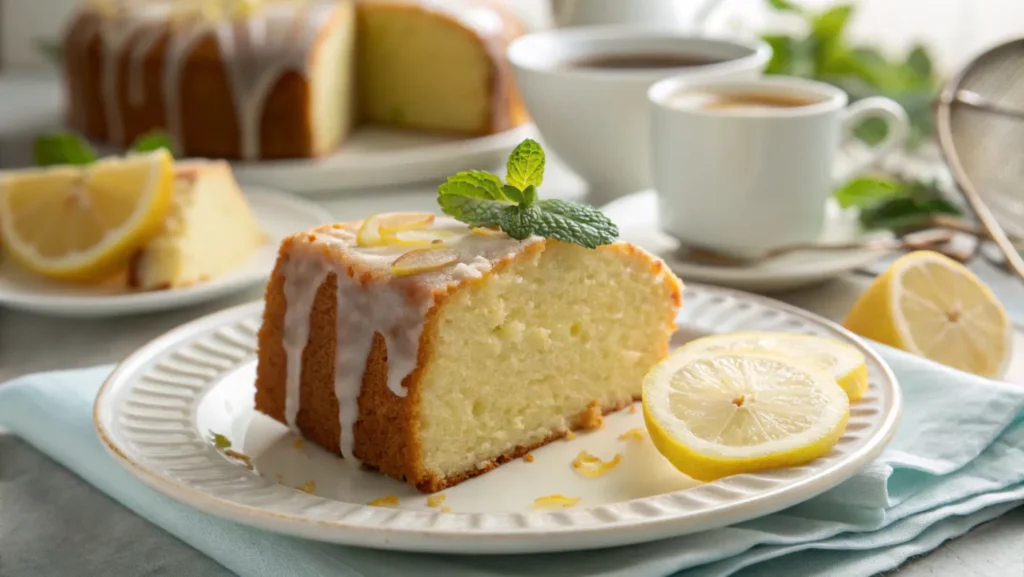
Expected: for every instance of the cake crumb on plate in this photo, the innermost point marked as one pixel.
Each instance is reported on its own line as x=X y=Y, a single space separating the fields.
x=637 y=433
x=389 y=501
x=528 y=458
x=307 y=487
x=555 y=501
x=435 y=500
x=591 y=419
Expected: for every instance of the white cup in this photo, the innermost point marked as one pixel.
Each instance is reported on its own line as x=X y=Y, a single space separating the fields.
x=743 y=180
x=596 y=120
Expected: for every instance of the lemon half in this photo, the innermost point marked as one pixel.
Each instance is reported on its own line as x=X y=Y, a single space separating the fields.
x=930 y=305
x=846 y=363
x=718 y=413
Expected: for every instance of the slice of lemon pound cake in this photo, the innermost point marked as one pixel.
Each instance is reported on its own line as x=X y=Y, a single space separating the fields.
x=434 y=349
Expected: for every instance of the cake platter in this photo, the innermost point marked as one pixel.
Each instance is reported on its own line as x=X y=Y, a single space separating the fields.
x=163 y=408
x=379 y=157
x=278 y=214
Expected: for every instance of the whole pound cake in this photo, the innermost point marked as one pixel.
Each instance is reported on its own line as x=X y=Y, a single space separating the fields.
x=266 y=79
x=440 y=375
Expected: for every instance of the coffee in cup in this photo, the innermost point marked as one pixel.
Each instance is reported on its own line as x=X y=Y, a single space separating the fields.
x=742 y=167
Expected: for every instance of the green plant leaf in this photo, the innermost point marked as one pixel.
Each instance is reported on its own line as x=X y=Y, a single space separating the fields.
x=153 y=140
x=576 y=223
x=474 y=184
x=519 y=222
x=864 y=192
x=905 y=213
x=513 y=194
x=784 y=6
x=62 y=148
x=920 y=62
x=472 y=211
x=525 y=165
x=830 y=24
x=530 y=195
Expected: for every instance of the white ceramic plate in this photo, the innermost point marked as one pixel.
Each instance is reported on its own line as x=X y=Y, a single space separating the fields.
x=156 y=412
x=637 y=218
x=374 y=157
x=278 y=214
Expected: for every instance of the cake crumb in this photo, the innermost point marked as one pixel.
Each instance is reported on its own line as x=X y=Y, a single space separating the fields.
x=389 y=501
x=555 y=501
x=528 y=458
x=307 y=487
x=239 y=456
x=569 y=435
x=299 y=443
x=336 y=226
x=435 y=500
x=590 y=466
x=311 y=237
x=632 y=409
x=637 y=433
x=446 y=509
x=591 y=419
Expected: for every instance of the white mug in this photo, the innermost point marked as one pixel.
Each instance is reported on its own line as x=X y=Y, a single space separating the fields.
x=596 y=120
x=741 y=180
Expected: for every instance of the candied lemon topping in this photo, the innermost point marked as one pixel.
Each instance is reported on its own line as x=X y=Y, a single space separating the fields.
x=719 y=413
x=635 y=434
x=590 y=466
x=930 y=305
x=423 y=260
x=435 y=500
x=307 y=487
x=555 y=502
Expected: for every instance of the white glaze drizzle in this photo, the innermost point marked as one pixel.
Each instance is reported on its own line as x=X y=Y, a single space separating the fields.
x=302 y=278
x=257 y=51
x=394 y=307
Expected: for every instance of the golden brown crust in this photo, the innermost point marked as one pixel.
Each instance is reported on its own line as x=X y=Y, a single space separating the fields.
x=386 y=430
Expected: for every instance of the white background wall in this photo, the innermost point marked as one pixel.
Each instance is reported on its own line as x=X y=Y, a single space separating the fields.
x=954 y=29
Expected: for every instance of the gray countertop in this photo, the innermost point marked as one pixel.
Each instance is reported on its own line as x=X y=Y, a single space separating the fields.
x=48 y=516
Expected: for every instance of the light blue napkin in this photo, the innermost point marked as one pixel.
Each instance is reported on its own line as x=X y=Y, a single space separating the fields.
x=957 y=461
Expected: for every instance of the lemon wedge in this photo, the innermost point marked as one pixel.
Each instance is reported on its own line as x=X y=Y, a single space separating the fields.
x=83 y=223
x=718 y=413
x=930 y=305
x=846 y=363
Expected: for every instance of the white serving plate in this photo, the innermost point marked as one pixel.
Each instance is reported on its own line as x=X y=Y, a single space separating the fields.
x=156 y=412
x=377 y=157
x=279 y=215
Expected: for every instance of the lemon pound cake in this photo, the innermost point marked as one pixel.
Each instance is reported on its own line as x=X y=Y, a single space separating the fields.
x=268 y=79
x=209 y=230
x=434 y=352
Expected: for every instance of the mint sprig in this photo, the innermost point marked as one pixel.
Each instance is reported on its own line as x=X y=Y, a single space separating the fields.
x=480 y=199
x=70 y=148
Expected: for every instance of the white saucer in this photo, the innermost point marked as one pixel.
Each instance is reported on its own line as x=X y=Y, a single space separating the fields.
x=374 y=157
x=278 y=214
x=636 y=216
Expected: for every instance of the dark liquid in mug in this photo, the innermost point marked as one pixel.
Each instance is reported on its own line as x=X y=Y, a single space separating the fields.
x=642 y=61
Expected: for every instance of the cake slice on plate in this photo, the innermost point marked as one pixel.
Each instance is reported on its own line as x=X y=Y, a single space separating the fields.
x=209 y=231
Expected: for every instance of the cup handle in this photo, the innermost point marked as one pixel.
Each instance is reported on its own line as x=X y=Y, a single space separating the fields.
x=873 y=107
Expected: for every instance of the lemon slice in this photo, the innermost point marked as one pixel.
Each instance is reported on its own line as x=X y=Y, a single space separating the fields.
x=424 y=260
x=929 y=304
x=84 y=223
x=718 y=413
x=847 y=364
x=422 y=238
x=393 y=222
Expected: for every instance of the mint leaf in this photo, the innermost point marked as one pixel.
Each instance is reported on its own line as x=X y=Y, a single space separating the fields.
x=783 y=6
x=866 y=192
x=513 y=194
x=153 y=140
x=519 y=222
x=576 y=223
x=62 y=148
x=530 y=195
x=219 y=441
x=525 y=165
x=905 y=213
x=474 y=184
x=472 y=211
